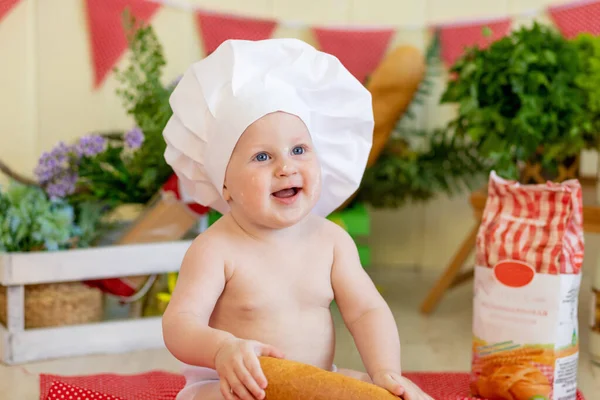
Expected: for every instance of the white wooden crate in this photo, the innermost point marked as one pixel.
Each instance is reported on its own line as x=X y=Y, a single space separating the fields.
x=20 y=345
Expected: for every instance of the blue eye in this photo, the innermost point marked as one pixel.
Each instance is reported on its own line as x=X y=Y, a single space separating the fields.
x=262 y=157
x=298 y=150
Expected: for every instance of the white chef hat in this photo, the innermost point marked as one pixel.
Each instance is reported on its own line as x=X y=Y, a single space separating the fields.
x=241 y=81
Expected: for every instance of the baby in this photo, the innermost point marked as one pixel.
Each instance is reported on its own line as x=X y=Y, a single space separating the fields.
x=275 y=135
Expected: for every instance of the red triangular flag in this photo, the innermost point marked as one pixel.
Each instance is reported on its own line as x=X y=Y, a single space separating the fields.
x=359 y=50
x=6 y=6
x=575 y=18
x=454 y=38
x=107 y=37
x=215 y=28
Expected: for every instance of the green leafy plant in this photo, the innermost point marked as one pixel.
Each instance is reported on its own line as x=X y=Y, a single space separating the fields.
x=95 y=169
x=589 y=82
x=119 y=168
x=146 y=98
x=30 y=221
x=519 y=100
x=446 y=165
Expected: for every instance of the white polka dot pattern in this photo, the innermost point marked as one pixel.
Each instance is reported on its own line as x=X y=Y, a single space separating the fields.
x=158 y=385
x=575 y=18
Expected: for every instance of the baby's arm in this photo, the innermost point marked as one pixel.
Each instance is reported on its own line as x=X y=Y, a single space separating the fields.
x=191 y=340
x=365 y=312
x=185 y=322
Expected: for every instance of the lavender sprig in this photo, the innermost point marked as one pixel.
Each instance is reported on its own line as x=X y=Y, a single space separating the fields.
x=91 y=145
x=134 y=139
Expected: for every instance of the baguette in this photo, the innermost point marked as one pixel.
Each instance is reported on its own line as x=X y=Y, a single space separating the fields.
x=291 y=380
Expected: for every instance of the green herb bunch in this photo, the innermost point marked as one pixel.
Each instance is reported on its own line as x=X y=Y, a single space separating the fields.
x=523 y=99
x=147 y=100
x=31 y=221
x=95 y=169
x=589 y=82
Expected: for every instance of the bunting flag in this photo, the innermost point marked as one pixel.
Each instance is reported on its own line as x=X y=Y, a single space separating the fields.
x=455 y=38
x=6 y=6
x=216 y=28
x=360 y=51
x=575 y=18
x=107 y=36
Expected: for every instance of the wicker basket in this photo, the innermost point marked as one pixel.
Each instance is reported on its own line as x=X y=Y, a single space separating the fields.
x=58 y=304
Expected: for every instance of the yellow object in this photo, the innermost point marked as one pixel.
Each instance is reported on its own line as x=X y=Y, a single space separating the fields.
x=291 y=380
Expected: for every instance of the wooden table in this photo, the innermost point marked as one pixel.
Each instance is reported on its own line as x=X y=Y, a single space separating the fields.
x=453 y=276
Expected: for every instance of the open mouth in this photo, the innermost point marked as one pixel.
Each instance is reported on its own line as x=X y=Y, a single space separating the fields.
x=287 y=193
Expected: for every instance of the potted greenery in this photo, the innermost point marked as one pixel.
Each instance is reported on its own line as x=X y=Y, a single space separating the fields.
x=525 y=103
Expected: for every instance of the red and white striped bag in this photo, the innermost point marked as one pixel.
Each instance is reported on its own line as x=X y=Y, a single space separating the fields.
x=528 y=272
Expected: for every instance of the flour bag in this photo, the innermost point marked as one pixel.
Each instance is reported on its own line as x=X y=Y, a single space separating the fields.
x=528 y=272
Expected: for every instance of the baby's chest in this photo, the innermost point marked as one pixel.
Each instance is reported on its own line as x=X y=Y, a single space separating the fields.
x=269 y=284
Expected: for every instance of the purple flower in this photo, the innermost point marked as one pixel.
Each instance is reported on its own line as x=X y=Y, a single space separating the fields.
x=53 y=163
x=63 y=185
x=90 y=145
x=134 y=138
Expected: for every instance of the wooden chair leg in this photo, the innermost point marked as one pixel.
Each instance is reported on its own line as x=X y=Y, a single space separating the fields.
x=452 y=272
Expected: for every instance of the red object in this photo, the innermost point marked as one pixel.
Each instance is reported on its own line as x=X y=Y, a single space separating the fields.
x=551 y=241
x=6 y=6
x=514 y=273
x=575 y=18
x=157 y=385
x=360 y=51
x=114 y=286
x=215 y=28
x=172 y=185
x=107 y=36
x=455 y=38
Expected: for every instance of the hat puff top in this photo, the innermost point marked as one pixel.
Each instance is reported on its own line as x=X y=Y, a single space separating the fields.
x=241 y=81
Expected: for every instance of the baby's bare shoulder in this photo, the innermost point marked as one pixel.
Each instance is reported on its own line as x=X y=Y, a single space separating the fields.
x=212 y=243
x=331 y=230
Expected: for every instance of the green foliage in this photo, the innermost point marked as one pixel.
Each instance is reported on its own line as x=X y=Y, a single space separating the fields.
x=401 y=175
x=30 y=221
x=147 y=100
x=519 y=99
x=589 y=81
x=109 y=177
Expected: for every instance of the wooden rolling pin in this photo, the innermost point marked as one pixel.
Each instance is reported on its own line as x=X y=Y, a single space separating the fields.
x=291 y=380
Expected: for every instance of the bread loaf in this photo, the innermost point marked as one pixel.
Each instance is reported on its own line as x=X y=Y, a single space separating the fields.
x=291 y=380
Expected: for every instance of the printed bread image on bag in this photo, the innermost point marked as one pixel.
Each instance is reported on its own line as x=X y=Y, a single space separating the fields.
x=529 y=255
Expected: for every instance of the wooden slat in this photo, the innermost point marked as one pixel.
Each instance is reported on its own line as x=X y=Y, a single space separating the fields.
x=91 y=263
x=68 y=341
x=15 y=308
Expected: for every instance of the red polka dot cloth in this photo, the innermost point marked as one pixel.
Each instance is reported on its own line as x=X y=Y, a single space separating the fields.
x=158 y=385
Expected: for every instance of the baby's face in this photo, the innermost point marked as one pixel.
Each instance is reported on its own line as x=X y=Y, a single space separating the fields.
x=274 y=177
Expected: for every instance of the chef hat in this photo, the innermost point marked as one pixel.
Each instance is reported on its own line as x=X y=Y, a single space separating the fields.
x=241 y=81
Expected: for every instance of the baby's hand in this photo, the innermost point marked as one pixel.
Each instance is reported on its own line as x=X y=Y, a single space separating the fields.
x=400 y=386
x=239 y=369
